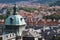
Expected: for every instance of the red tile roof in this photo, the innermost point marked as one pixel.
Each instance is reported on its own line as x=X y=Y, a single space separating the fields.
x=30 y=20
x=1 y=22
x=57 y=12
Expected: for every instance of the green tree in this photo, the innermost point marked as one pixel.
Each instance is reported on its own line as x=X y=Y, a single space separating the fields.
x=57 y=2
x=54 y=16
x=2 y=16
x=8 y=12
x=58 y=38
x=28 y=9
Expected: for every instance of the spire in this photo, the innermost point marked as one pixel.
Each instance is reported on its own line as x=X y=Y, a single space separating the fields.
x=14 y=9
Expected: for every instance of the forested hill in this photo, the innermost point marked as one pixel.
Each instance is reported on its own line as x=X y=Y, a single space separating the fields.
x=56 y=3
x=31 y=1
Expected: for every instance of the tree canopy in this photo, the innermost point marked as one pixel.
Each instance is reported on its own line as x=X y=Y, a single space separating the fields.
x=28 y=9
x=57 y=2
x=54 y=16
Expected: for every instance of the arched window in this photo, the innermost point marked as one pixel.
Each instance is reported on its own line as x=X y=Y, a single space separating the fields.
x=21 y=19
x=11 y=20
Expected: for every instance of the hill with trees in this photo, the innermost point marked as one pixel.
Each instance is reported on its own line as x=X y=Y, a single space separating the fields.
x=55 y=3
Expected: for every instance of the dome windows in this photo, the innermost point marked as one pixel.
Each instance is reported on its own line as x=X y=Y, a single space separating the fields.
x=15 y=20
x=11 y=20
x=21 y=19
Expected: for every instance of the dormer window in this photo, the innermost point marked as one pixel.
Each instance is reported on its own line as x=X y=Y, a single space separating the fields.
x=21 y=19
x=24 y=18
x=11 y=20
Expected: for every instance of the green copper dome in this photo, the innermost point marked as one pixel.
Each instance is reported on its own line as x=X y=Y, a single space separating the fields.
x=15 y=20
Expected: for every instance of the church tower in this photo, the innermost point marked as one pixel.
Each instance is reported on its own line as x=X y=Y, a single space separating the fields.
x=14 y=23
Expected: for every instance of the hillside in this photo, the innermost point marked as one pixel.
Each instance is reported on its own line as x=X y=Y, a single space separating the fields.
x=31 y=1
x=56 y=3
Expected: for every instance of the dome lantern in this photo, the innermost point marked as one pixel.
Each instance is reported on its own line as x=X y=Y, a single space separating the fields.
x=14 y=9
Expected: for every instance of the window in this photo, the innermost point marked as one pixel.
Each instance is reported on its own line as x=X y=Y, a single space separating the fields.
x=6 y=36
x=36 y=19
x=58 y=20
x=21 y=19
x=11 y=20
x=24 y=18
